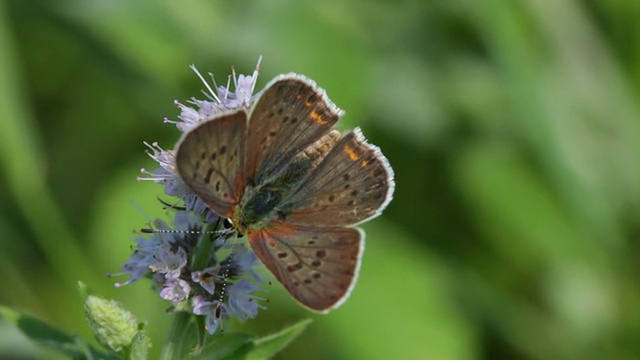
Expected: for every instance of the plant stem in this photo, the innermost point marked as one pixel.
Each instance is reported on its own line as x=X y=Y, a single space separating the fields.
x=178 y=334
x=203 y=251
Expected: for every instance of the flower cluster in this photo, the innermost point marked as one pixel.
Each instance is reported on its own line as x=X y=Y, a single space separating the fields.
x=217 y=102
x=194 y=267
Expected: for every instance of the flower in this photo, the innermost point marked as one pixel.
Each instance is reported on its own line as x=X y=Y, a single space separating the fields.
x=219 y=101
x=138 y=264
x=241 y=301
x=247 y=261
x=206 y=278
x=169 y=262
x=170 y=256
x=175 y=290
x=213 y=310
x=188 y=265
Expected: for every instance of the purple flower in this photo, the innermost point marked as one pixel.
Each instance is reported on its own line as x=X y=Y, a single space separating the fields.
x=213 y=310
x=170 y=262
x=247 y=261
x=175 y=290
x=242 y=303
x=218 y=101
x=206 y=278
x=243 y=95
x=166 y=173
x=138 y=264
x=219 y=290
x=180 y=258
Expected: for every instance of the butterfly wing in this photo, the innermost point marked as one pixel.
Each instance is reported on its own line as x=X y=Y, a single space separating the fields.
x=291 y=114
x=210 y=160
x=353 y=183
x=318 y=266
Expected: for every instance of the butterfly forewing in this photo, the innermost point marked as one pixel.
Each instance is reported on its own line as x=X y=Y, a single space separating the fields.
x=353 y=183
x=318 y=266
x=291 y=114
x=210 y=160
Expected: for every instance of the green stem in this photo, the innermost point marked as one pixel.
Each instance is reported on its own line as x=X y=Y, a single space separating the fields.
x=204 y=249
x=177 y=337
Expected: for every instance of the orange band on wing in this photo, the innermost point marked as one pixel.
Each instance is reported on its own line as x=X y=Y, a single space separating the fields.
x=317 y=117
x=352 y=153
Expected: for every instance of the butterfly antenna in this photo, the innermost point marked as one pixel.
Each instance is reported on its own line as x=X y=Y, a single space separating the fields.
x=226 y=273
x=191 y=232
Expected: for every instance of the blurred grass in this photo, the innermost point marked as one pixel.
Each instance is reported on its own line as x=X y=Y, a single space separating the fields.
x=512 y=127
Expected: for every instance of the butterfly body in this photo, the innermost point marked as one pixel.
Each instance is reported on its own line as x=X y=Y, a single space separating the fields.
x=257 y=208
x=262 y=204
x=293 y=184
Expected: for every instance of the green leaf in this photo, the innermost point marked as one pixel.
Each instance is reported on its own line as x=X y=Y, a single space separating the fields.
x=268 y=346
x=225 y=346
x=140 y=346
x=52 y=338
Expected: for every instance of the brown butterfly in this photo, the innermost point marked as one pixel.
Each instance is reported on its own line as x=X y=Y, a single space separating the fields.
x=294 y=185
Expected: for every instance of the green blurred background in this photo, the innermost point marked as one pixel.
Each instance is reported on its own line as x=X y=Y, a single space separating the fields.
x=512 y=127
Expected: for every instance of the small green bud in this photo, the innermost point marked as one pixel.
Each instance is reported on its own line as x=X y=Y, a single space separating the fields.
x=112 y=325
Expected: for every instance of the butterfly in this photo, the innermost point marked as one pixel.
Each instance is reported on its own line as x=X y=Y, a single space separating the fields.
x=295 y=186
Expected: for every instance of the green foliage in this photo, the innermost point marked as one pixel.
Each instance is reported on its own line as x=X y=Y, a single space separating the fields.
x=266 y=347
x=232 y=346
x=118 y=331
x=48 y=336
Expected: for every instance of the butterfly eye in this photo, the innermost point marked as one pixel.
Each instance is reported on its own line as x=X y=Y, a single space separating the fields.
x=227 y=223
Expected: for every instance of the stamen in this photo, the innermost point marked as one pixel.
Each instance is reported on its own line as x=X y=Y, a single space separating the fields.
x=226 y=93
x=235 y=78
x=213 y=80
x=255 y=74
x=215 y=96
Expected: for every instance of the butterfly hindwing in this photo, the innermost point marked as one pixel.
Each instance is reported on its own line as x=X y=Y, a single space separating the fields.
x=210 y=160
x=318 y=266
x=353 y=183
x=291 y=114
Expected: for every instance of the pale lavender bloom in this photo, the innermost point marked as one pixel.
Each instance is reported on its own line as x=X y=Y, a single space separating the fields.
x=175 y=290
x=243 y=96
x=241 y=301
x=247 y=261
x=193 y=202
x=218 y=101
x=167 y=172
x=186 y=220
x=171 y=253
x=170 y=262
x=168 y=256
x=206 y=278
x=213 y=310
x=142 y=258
